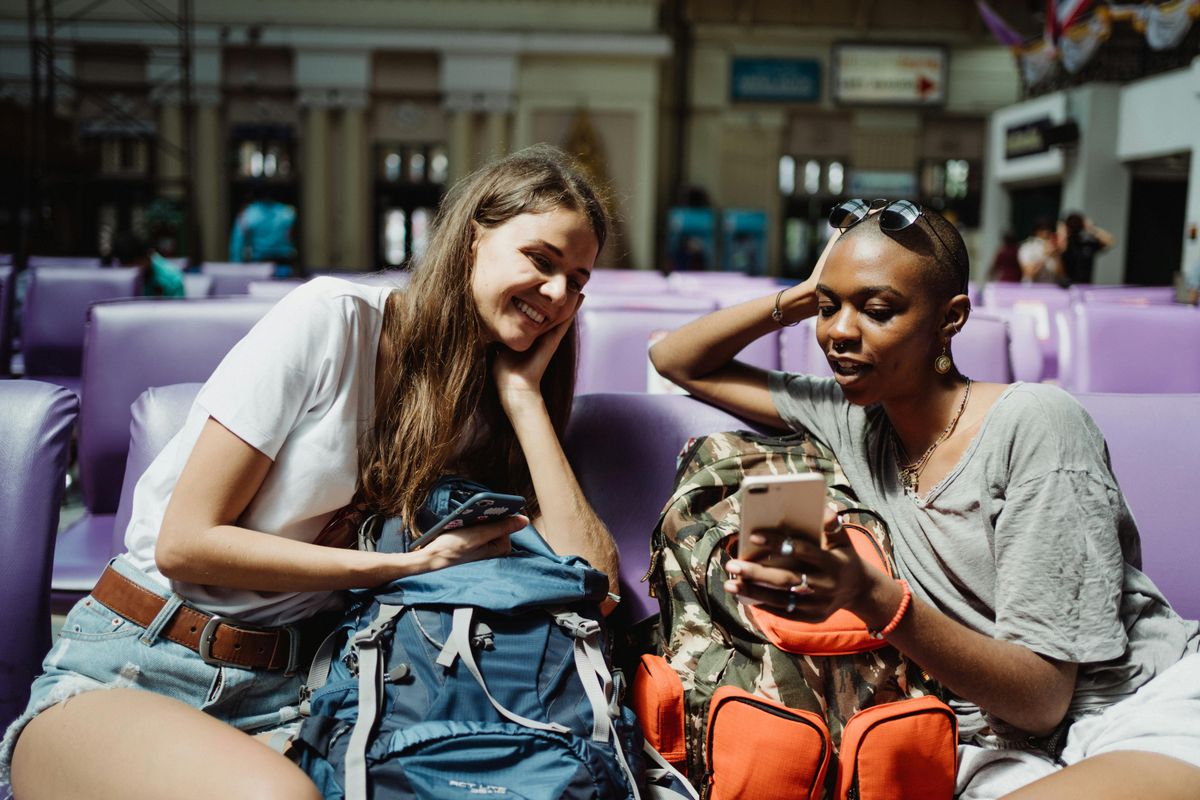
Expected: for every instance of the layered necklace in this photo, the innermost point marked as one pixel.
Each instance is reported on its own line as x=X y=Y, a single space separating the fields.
x=910 y=475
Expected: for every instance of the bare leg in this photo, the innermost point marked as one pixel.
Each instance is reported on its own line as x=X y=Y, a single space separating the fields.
x=131 y=744
x=1123 y=774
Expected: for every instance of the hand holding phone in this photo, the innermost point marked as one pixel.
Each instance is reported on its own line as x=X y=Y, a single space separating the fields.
x=780 y=508
x=478 y=508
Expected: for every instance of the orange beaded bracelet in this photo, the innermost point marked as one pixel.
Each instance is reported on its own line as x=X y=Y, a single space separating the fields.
x=905 y=601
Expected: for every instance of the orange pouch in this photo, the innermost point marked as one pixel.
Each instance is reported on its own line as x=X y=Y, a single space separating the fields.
x=761 y=749
x=842 y=632
x=900 y=751
x=657 y=699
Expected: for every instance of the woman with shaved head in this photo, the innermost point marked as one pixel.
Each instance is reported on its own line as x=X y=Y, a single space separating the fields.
x=1022 y=595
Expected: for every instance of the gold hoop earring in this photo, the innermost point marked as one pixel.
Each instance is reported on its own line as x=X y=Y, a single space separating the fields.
x=943 y=363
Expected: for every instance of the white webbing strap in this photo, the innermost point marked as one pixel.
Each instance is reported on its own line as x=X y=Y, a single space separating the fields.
x=661 y=769
x=370 y=690
x=458 y=645
x=318 y=673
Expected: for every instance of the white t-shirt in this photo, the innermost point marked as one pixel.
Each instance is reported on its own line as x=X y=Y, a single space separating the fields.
x=299 y=388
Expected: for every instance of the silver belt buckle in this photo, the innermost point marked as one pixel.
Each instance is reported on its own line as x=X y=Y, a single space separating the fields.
x=210 y=631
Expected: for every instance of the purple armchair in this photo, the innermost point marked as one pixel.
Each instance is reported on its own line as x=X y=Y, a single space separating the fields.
x=73 y=262
x=132 y=345
x=1129 y=295
x=1154 y=444
x=36 y=421
x=55 y=316
x=1113 y=347
x=1038 y=302
x=235 y=278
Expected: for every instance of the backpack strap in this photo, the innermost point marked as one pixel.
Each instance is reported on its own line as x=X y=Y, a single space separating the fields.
x=458 y=646
x=660 y=777
x=318 y=671
x=370 y=692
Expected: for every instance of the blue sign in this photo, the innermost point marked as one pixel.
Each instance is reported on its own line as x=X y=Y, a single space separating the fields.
x=775 y=80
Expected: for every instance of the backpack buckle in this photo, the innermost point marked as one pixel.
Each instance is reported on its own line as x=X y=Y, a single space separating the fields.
x=578 y=626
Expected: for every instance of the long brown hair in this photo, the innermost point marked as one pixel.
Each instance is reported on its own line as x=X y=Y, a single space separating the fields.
x=437 y=383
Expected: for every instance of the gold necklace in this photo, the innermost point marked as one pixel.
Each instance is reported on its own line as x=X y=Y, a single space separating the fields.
x=910 y=475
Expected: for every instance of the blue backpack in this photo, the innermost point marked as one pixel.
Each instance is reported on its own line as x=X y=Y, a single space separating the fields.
x=486 y=678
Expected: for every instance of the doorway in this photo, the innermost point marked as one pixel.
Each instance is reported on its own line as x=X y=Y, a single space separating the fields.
x=1157 y=216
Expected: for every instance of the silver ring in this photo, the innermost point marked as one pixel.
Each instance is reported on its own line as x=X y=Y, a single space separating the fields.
x=802 y=587
x=791 y=604
x=787 y=546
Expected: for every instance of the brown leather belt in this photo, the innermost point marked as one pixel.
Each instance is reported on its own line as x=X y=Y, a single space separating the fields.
x=218 y=641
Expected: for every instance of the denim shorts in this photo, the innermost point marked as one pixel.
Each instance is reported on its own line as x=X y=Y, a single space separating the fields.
x=99 y=649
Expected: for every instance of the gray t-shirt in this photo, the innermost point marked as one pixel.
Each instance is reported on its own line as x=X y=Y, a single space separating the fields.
x=1027 y=539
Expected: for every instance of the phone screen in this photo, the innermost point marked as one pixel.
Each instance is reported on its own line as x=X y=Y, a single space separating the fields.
x=477 y=509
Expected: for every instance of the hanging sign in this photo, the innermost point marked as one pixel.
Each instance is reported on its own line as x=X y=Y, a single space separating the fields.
x=889 y=75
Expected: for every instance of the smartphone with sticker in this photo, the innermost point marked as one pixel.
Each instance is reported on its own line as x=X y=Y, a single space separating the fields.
x=475 y=510
x=795 y=502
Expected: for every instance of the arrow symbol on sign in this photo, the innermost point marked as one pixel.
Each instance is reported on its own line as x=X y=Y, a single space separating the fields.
x=924 y=85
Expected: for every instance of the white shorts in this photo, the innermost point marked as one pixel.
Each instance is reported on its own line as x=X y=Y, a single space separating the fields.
x=1162 y=717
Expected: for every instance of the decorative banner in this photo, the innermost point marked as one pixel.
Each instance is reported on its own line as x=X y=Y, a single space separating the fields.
x=1036 y=60
x=1004 y=34
x=1061 y=15
x=1165 y=25
x=1080 y=43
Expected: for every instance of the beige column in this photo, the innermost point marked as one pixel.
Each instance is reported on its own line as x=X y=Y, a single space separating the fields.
x=462 y=144
x=210 y=179
x=171 y=149
x=353 y=224
x=495 y=134
x=314 y=202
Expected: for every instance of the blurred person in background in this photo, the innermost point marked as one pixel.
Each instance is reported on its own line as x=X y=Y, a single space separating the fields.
x=1040 y=256
x=1005 y=265
x=263 y=230
x=160 y=278
x=1079 y=241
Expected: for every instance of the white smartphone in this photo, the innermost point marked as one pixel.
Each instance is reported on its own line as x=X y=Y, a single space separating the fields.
x=793 y=502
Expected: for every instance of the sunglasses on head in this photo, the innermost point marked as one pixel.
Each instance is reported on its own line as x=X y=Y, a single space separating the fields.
x=894 y=215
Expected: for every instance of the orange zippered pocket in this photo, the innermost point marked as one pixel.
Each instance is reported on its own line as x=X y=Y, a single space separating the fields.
x=764 y=750
x=905 y=749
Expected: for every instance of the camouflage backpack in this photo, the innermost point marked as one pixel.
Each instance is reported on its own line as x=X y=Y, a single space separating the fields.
x=751 y=704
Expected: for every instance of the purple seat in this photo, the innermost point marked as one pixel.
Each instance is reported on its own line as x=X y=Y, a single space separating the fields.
x=614 y=348
x=157 y=415
x=132 y=345
x=981 y=349
x=626 y=281
x=1112 y=347
x=7 y=289
x=55 y=315
x=626 y=485
x=1154 y=444
x=715 y=284
x=197 y=284
x=649 y=300
x=1130 y=295
x=75 y=262
x=36 y=421
x=623 y=448
x=1038 y=301
x=234 y=278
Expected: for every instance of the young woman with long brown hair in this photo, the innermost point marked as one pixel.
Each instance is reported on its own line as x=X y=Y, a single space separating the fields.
x=344 y=396
x=1070 y=673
